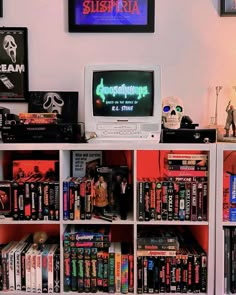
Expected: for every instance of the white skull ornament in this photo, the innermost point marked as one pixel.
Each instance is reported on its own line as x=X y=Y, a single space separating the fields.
x=172 y=112
x=9 y=45
x=53 y=103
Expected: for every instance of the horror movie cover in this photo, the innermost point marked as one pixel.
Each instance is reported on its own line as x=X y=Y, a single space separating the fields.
x=13 y=64
x=64 y=103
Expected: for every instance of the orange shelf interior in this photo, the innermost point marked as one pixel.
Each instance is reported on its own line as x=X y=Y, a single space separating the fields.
x=14 y=232
x=151 y=165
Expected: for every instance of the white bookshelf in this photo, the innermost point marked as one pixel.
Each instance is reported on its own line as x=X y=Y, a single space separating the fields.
x=135 y=146
x=220 y=224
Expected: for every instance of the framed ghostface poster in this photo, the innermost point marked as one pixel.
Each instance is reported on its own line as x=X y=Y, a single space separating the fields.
x=13 y=64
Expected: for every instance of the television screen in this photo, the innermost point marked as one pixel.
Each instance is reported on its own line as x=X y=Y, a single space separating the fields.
x=123 y=93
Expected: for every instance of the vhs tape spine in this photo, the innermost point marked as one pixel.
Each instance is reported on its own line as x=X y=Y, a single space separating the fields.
x=140 y=189
x=27 y=202
x=176 y=201
x=150 y=274
x=145 y=274
x=167 y=274
x=82 y=200
x=51 y=200
x=40 y=200
x=94 y=270
x=56 y=271
x=15 y=215
x=66 y=199
x=99 y=270
x=124 y=273
x=45 y=200
x=164 y=202
x=205 y=201
x=146 y=200
x=182 y=192
x=194 y=201
x=139 y=274
x=170 y=200
x=105 y=256
x=199 y=200
x=80 y=269
x=187 y=201
x=152 y=200
x=158 y=196
x=131 y=273
x=111 y=269
x=56 y=201
x=34 y=200
x=71 y=200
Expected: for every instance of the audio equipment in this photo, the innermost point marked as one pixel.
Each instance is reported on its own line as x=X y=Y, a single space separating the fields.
x=188 y=135
x=43 y=133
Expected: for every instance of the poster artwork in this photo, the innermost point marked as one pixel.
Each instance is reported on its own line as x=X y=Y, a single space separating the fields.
x=13 y=64
x=84 y=163
x=63 y=103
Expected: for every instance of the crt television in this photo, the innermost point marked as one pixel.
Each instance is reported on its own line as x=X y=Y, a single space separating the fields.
x=123 y=101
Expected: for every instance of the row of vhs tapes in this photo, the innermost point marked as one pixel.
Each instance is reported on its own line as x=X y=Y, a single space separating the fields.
x=173 y=199
x=24 y=267
x=92 y=269
x=30 y=200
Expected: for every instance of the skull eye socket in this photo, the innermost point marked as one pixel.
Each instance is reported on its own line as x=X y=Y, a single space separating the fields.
x=179 y=109
x=58 y=100
x=48 y=102
x=166 y=109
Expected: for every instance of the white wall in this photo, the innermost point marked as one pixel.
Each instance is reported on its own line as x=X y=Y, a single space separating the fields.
x=195 y=47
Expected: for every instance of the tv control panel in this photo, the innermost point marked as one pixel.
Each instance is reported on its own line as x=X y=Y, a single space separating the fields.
x=127 y=131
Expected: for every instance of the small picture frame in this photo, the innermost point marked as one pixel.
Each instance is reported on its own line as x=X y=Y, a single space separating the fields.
x=111 y=16
x=1 y=8
x=228 y=7
x=63 y=103
x=84 y=163
x=14 y=82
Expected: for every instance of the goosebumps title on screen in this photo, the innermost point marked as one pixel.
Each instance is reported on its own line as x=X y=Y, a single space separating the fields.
x=111 y=12
x=123 y=93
